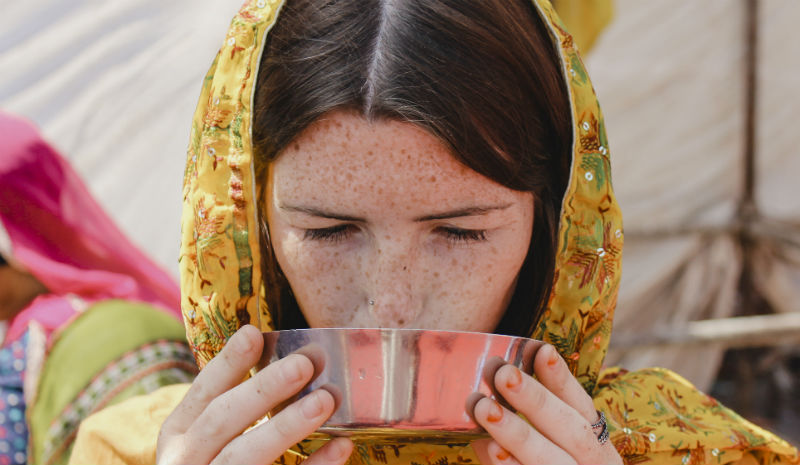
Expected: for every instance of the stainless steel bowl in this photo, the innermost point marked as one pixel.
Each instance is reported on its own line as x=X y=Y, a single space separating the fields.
x=402 y=383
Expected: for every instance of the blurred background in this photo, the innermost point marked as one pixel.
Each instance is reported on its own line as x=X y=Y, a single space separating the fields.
x=701 y=107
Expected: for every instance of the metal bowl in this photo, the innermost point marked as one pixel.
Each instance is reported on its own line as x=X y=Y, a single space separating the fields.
x=402 y=384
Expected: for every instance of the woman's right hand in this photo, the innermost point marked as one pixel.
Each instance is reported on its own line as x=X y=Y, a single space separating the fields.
x=206 y=427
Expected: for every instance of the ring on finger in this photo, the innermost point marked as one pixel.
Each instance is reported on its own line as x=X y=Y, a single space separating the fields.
x=602 y=436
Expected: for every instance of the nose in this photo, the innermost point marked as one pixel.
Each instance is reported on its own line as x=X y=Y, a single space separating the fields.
x=394 y=301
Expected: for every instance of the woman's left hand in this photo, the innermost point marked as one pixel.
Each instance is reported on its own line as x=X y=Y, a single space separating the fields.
x=560 y=415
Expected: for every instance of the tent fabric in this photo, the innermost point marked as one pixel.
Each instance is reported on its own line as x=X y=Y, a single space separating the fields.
x=93 y=76
x=676 y=120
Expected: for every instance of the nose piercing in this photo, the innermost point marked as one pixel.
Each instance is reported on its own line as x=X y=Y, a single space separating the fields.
x=371 y=302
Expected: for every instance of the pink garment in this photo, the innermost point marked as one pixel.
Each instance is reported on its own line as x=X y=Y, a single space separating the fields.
x=62 y=236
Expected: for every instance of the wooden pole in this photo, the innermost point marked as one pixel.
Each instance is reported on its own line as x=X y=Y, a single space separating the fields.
x=737 y=332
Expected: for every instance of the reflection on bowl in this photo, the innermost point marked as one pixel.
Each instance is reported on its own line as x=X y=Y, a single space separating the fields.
x=402 y=383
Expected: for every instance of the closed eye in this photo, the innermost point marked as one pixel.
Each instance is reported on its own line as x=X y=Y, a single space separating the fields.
x=333 y=234
x=463 y=236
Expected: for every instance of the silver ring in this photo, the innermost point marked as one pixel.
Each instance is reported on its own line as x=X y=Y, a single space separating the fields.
x=602 y=437
x=601 y=421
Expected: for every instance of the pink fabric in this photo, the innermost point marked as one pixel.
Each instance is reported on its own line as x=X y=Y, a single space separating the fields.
x=62 y=236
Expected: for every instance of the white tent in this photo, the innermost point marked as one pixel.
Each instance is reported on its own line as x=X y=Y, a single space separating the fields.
x=673 y=80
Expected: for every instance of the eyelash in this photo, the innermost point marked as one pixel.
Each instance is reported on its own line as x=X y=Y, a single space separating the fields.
x=333 y=234
x=464 y=236
x=338 y=233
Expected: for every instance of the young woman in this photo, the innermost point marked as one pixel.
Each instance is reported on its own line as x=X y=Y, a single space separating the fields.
x=417 y=164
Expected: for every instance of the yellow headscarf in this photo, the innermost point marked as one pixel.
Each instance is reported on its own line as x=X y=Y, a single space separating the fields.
x=220 y=258
x=653 y=414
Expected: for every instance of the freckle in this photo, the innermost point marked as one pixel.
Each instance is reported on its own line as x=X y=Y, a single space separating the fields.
x=370 y=153
x=433 y=178
x=453 y=262
x=296 y=146
x=401 y=322
x=489 y=280
x=338 y=288
x=435 y=274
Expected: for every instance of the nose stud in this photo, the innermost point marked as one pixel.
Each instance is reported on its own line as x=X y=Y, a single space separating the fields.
x=371 y=302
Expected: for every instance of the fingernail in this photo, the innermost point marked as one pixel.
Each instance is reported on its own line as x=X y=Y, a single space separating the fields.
x=239 y=344
x=514 y=381
x=312 y=406
x=495 y=412
x=291 y=370
x=553 y=359
x=335 y=451
x=502 y=454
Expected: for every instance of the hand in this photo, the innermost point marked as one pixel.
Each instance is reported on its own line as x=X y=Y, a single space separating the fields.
x=206 y=427
x=560 y=415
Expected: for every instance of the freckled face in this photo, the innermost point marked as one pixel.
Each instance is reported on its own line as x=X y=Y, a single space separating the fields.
x=363 y=211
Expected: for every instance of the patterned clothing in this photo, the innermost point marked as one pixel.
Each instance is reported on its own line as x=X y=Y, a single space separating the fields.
x=13 y=428
x=139 y=371
x=119 y=362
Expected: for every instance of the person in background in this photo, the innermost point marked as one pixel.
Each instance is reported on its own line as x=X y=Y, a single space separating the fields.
x=87 y=319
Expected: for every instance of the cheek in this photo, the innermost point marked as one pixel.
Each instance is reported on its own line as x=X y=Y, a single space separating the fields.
x=6 y=288
x=323 y=279
x=479 y=283
x=475 y=289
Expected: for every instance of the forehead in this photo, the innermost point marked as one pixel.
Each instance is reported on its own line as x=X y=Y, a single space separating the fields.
x=358 y=160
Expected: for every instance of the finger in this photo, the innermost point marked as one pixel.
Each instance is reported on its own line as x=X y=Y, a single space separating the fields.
x=489 y=451
x=517 y=437
x=481 y=449
x=233 y=411
x=552 y=417
x=335 y=452
x=223 y=372
x=553 y=372
x=271 y=439
x=498 y=455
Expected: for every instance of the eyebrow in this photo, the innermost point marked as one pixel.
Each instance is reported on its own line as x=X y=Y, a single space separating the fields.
x=320 y=213
x=462 y=212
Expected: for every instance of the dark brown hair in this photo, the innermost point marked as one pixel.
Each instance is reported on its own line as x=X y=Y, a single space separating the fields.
x=482 y=76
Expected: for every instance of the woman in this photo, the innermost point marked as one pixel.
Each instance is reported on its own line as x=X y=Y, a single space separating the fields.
x=88 y=319
x=408 y=164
